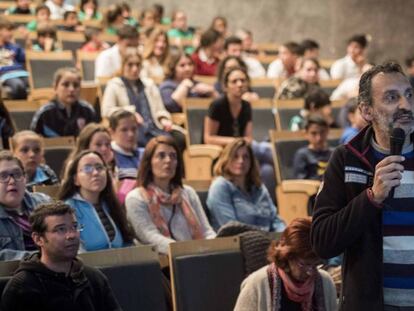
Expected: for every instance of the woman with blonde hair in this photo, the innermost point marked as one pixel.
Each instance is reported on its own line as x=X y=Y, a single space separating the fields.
x=155 y=55
x=291 y=281
x=237 y=193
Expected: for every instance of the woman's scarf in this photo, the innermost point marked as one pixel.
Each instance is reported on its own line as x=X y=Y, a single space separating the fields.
x=156 y=197
x=302 y=293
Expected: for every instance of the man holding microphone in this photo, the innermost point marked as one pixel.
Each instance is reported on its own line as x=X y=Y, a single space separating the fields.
x=365 y=207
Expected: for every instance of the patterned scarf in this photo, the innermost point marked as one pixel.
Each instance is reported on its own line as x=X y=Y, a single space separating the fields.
x=156 y=197
x=302 y=294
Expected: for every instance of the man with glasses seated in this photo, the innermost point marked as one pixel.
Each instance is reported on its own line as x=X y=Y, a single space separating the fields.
x=16 y=204
x=54 y=279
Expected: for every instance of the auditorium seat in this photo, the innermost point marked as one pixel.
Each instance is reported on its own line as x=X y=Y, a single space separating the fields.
x=86 y=61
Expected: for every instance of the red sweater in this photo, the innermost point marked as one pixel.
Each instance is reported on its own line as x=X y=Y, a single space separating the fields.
x=203 y=68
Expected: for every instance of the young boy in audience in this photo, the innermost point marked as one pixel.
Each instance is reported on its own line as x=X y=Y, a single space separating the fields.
x=71 y=22
x=46 y=39
x=124 y=133
x=310 y=49
x=42 y=16
x=12 y=62
x=310 y=162
x=21 y=7
x=28 y=148
x=355 y=119
x=316 y=102
x=410 y=69
x=284 y=65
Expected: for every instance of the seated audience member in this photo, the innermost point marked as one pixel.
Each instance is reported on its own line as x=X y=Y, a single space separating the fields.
x=292 y=280
x=310 y=162
x=124 y=132
x=310 y=49
x=71 y=22
x=109 y=61
x=155 y=55
x=12 y=63
x=53 y=278
x=227 y=63
x=46 y=39
x=66 y=114
x=88 y=189
x=147 y=19
x=162 y=210
x=303 y=82
x=93 y=41
x=180 y=30
x=285 y=65
x=89 y=10
x=127 y=15
x=180 y=83
x=233 y=47
x=219 y=24
x=142 y=97
x=114 y=21
x=352 y=64
x=159 y=14
x=248 y=46
x=410 y=69
x=230 y=116
x=7 y=128
x=316 y=102
x=237 y=193
x=16 y=204
x=355 y=119
x=42 y=13
x=58 y=8
x=207 y=55
x=28 y=148
x=21 y=7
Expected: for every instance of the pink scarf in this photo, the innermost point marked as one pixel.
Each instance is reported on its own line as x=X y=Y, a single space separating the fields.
x=298 y=292
x=156 y=197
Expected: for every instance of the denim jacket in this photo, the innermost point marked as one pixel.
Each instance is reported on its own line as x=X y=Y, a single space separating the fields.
x=11 y=236
x=227 y=202
x=94 y=236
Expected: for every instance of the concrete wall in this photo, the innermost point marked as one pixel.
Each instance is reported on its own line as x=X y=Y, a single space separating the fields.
x=331 y=22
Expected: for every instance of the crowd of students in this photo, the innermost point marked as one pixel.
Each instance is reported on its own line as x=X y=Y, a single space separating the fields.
x=125 y=180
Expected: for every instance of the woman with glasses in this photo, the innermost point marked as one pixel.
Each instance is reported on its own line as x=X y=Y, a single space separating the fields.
x=88 y=189
x=142 y=97
x=291 y=281
x=162 y=210
x=16 y=204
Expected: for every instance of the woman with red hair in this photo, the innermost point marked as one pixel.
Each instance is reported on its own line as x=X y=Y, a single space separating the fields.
x=291 y=281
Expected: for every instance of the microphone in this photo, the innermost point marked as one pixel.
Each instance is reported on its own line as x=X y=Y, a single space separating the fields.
x=397 y=139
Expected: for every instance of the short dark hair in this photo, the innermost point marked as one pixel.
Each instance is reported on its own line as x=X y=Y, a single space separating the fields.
x=315 y=119
x=209 y=37
x=6 y=155
x=145 y=175
x=409 y=61
x=127 y=32
x=316 y=99
x=118 y=115
x=361 y=39
x=42 y=7
x=365 y=83
x=37 y=218
x=293 y=48
x=232 y=40
x=309 y=44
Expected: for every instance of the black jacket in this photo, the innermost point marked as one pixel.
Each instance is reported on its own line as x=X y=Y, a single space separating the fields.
x=347 y=221
x=35 y=287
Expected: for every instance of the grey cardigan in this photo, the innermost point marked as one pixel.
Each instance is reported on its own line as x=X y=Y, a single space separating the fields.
x=139 y=216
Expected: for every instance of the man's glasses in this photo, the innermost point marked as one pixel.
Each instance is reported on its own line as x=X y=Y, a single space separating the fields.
x=64 y=230
x=89 y=168
x=5 y=176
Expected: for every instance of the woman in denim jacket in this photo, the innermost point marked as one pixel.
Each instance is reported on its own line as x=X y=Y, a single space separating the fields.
x=238 y=194
x=88 y=189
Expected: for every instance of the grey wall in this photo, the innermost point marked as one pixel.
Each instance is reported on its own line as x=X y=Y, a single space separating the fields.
x=331 y=22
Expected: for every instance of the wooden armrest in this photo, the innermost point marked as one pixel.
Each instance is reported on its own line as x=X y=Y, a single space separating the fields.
x=310 y=187
x=212 y=151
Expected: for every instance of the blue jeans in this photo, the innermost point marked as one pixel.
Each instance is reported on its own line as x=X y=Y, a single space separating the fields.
x=263 y=153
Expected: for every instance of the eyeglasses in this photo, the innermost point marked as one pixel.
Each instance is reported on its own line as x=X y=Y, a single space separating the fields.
x=307 y=267
x=89 y=168
x=64 y=230
x=163 y=155
x=5 y=176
